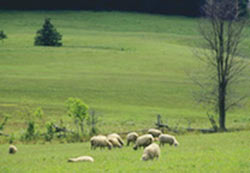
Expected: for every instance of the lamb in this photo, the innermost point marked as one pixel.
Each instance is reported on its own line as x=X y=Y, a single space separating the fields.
x=168 y=139
x=82 y=159
x=143 y=141
x=131 y=137
x=154 y=132
x=118 y=138
x=12 y=149
x=114 y=141
x=100 y=141
x=150 y=152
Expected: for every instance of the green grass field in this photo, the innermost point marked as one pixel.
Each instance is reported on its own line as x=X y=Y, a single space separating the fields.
x=224 y=153
x=129 y=67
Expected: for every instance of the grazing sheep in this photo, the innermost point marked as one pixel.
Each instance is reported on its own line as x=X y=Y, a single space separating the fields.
x=131 y=137
x=114 y=141
x=143 y=141
x=100 y=141
x=118 y=138
x=168 y=139
x=154 y=132
x=82 y=159
x=150 y=152
x=12 y=149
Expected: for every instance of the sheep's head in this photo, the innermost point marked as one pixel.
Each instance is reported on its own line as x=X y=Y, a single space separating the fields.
x=109 y=145
x=135 y=147
x=12 y=149
x=176 y=144
x=145 y=157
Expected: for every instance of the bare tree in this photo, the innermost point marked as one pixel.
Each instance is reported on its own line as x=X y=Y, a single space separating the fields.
x=221 y=28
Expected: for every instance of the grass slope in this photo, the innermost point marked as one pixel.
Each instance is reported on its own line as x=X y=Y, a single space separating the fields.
x=225 y=152
x=127 y=66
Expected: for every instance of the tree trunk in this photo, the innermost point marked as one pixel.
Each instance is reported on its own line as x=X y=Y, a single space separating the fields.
x=82 y=126
x=222 y=109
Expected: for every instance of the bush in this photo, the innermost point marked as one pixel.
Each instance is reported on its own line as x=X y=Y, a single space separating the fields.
x=31 y=118
x=48 y=35
x=2 y=124
x=30 y=131
x=77 y=109
x=49 y=135
x=2 y=35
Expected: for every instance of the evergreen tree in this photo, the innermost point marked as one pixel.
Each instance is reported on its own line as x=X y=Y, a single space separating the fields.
x=243 y=5
x=2 y=35
x=48 y=35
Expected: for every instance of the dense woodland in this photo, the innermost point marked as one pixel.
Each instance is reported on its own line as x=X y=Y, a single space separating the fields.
x=169 y=7
x=173 y=7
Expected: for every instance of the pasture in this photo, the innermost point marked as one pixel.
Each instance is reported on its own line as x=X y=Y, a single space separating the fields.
x=128 y=67
x=224 y=152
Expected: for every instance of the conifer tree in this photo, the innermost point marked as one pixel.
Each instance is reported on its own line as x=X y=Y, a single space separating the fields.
x=48 y=35
x=2 y=35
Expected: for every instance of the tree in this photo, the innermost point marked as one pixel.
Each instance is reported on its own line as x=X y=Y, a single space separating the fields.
x=221 y=29
x=92 y=122
x=2 y=35
x=243 y=5
x=48 y=35
x=77 y=109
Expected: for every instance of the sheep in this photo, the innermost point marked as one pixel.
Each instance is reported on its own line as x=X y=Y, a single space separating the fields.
x=100 y=141
x=82 y=159
x=169 y=139
x=118 y=138
x=114 y=141
x=12 y=149
x=143 y=141
x=131 y=137
x=154 y=132
x=150 y=152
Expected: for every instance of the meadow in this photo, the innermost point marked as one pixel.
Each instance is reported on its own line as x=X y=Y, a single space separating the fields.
x=224 y=152
x=128 y=67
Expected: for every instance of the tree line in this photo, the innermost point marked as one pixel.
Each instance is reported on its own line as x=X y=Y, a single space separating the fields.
x=169 y=7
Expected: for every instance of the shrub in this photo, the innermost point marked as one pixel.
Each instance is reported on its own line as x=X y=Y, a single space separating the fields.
x=2 y=124
x=48 y=35
x=77 y=109
x=11 y=139
x=49 y=135
x=2 y=35
x=31 y=132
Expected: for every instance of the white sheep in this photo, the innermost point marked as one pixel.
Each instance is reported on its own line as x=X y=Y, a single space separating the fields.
x=114 y=141
x=154 y=132
x=118 y=138
x=168 y=139
x=100 y=141
x=143 y=141
x=150 y=152
x=131 y=137
x=12 y=149
x=82 y=159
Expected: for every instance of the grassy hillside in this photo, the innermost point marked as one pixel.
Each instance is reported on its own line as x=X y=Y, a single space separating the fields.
x=128 y=67
x=228 y=152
